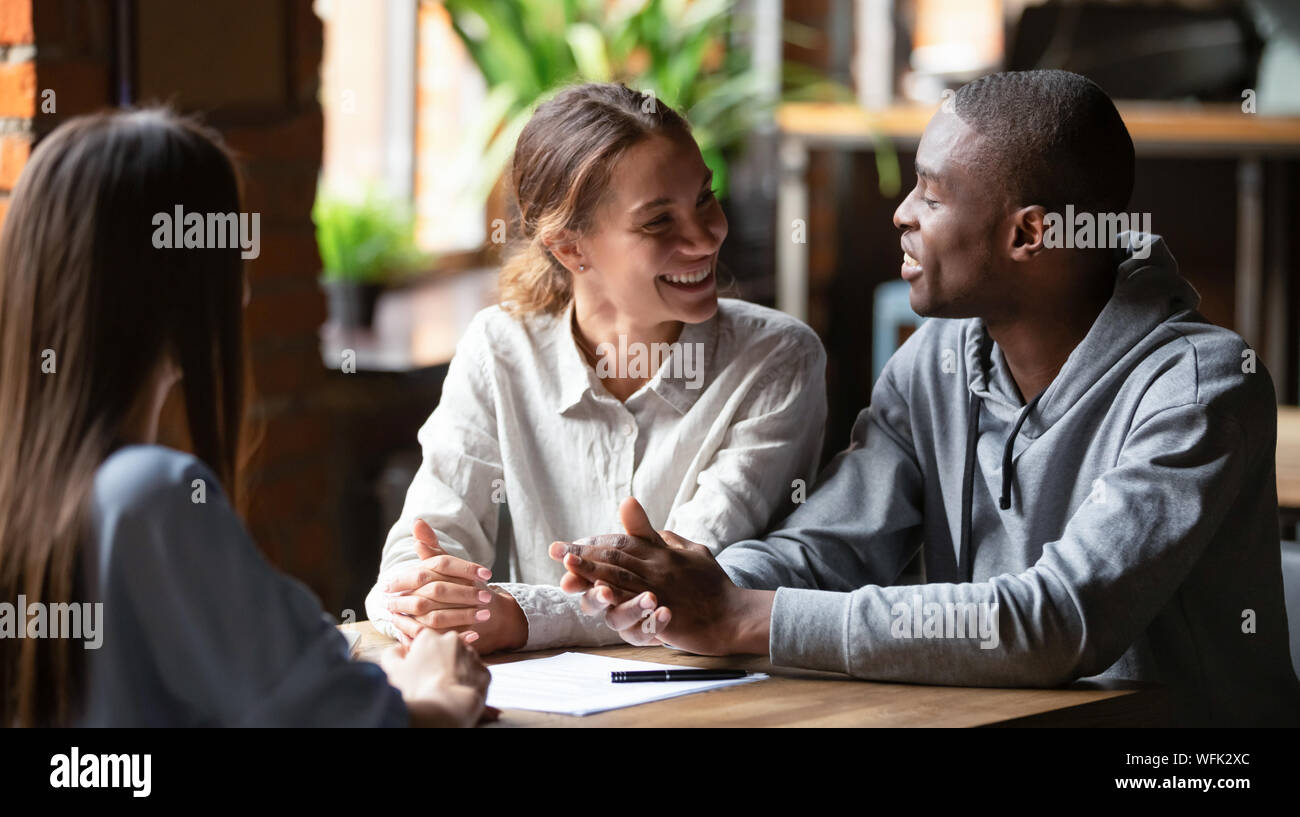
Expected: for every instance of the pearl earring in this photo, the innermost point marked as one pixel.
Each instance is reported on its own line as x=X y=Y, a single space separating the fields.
x=582 y=266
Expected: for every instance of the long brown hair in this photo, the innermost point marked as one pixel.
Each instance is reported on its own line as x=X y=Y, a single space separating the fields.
x=559 y=173
x=88 y=310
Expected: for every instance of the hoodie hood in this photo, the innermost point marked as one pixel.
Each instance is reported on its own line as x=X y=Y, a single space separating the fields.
x=1148 y=291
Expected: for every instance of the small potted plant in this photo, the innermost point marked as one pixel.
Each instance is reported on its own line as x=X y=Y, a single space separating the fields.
x=365 y=245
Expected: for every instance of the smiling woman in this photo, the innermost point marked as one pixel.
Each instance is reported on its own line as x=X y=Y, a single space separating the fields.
x=561 y=172
x=549 y=415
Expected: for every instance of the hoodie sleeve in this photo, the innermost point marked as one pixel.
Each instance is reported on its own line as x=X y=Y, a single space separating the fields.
x=1121 y=558
x=862 y=523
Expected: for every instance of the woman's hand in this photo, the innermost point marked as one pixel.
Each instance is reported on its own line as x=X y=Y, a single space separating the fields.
x=439 y=592
x=446 y=594
x=507 y=629
x=441 y=679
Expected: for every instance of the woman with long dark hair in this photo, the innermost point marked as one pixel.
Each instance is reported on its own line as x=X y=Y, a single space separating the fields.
x=97 y=323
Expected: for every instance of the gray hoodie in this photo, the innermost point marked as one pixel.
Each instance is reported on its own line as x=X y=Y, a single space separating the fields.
x=1124 y=523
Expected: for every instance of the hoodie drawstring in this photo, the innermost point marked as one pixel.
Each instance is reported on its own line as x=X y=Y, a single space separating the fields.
x=967 y=565
x=1008 y=467
x=968 y=485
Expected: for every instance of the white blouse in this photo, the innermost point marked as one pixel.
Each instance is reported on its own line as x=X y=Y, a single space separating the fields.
x=526 y=447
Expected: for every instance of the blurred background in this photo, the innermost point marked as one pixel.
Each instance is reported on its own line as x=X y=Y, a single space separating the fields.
x=373 y=134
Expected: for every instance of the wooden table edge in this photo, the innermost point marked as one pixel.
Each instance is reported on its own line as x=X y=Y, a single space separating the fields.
x=1091 y=703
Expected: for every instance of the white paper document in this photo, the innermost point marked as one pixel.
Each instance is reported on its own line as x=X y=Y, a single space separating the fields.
x=576 y=683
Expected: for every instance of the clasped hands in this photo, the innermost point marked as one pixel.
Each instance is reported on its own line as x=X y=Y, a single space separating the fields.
x=445 y=593
x=655 y=587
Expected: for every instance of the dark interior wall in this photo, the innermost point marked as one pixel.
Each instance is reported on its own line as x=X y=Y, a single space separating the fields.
x=326 y=436
x=373 y=448
x=254 y=76
x=252 y=72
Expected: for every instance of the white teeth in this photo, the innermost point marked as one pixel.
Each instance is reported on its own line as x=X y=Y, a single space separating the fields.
x=687 y=279
x=910 y=261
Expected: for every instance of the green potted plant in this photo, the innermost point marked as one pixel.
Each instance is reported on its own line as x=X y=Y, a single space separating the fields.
x=676 y=49
x=365 y=244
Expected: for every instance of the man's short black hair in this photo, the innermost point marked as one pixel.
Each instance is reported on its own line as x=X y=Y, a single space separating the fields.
x=1050 y=138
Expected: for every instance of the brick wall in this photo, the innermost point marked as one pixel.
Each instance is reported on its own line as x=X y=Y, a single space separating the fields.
x=54 y=63
x=251 y=67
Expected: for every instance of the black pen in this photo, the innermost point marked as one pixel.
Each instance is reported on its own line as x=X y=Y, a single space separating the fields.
x=634 y=676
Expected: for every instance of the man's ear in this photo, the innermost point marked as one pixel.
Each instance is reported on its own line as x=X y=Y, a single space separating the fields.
x=1028 y=232
x=564 y=247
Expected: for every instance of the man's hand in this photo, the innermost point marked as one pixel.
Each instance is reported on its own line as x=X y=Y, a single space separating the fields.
x=440 y=591
x=660 y=587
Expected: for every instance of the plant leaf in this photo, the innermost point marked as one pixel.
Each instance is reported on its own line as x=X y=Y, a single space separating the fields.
x=588 y=46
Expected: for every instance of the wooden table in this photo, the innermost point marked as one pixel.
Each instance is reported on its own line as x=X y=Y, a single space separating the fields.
x=807 y=698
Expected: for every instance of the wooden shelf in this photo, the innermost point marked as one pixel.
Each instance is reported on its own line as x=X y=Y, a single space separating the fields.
x=1219 y=129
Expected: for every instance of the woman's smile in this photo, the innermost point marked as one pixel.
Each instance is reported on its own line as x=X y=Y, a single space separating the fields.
x=699 y=278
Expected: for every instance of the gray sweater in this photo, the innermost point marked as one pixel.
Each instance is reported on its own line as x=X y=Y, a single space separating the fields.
x=198 y=630
x=1139 y=537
